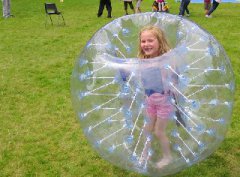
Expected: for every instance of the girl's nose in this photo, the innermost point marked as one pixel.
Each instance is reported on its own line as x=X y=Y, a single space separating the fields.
x=147 y=43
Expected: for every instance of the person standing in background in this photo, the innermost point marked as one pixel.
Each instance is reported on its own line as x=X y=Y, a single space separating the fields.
x=108 y=5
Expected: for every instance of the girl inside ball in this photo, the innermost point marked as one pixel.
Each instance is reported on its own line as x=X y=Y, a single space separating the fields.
x=153 y=43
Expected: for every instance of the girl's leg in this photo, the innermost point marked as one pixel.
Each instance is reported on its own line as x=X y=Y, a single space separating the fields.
x=147 y=129
x=160 y=128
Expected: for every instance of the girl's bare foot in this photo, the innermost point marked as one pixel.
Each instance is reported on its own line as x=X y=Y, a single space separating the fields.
x=164 y=162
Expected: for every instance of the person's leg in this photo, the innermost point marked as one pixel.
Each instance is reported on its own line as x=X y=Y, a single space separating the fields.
x=131 y=6
x=147 y=131
x=186 y=7
x=159 y=7
x=206 y=8
x=148 y=127
x=209 y=7
x=181 y=8
x=109 y=8
x=6 y=8
x=125 y=7
x=160 y=132
x=213 y=8
x=101 y=7
x=138 y=9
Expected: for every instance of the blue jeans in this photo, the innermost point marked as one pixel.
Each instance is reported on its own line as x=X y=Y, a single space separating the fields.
x=184 y=7
x=214 y=6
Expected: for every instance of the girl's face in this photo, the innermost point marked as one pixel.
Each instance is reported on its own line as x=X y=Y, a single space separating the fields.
x=149 y=44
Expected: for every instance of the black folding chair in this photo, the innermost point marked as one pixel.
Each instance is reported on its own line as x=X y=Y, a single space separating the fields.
x=51 y=9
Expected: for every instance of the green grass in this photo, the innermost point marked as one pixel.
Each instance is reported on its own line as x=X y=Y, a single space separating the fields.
x=39 y=134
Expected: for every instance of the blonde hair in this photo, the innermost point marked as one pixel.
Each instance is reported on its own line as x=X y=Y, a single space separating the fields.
x=159 y=34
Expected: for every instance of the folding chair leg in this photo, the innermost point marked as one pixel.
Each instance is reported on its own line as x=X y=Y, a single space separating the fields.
x=46 y=19
x=51 y=19
x=63 y=20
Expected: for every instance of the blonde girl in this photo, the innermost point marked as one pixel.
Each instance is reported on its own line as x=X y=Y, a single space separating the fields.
x=152 y=43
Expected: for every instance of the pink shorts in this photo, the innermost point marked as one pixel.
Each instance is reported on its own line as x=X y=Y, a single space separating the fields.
x=158 y=105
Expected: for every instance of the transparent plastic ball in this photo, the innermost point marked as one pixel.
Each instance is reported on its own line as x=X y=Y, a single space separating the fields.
x=109 y=95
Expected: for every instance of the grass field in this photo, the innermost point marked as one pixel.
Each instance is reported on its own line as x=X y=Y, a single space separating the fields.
x=39 y=133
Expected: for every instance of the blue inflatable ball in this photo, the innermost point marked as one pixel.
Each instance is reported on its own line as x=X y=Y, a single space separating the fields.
x=109 y=96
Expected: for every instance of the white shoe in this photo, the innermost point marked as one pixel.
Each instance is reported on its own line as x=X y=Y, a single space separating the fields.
x=208 y=16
